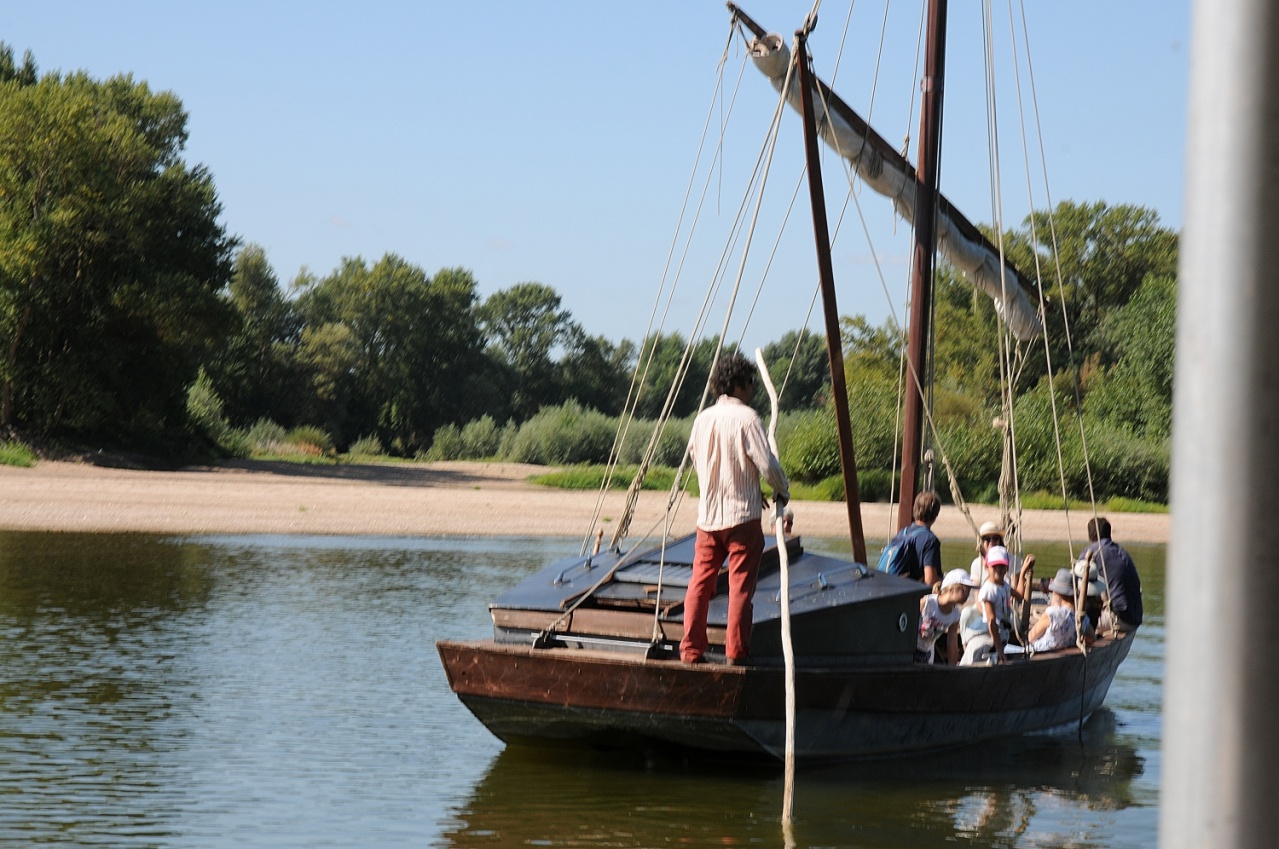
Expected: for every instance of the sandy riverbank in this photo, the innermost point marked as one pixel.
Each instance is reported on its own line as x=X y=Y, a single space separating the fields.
x=422 y=499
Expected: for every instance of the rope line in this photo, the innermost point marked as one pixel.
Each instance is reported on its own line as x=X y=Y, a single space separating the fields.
x=642 y=366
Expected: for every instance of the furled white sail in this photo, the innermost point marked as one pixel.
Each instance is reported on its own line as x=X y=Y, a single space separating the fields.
x=888 y=173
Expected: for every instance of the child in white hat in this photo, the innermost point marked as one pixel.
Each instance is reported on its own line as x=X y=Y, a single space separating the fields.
x=939 y=614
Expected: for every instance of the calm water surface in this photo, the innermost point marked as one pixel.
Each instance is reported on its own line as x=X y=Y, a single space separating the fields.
x=271 y=691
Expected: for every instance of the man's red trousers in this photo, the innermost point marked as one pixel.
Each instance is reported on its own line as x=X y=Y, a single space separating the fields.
x=742 y=545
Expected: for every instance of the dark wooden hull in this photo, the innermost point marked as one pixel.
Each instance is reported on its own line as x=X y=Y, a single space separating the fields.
x=610 y=699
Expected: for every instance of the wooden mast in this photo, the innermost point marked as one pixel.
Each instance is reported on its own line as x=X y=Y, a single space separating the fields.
x=834 y=347
x=925 y=244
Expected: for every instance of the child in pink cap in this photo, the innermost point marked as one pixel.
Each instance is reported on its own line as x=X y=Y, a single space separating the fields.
x=994 y=602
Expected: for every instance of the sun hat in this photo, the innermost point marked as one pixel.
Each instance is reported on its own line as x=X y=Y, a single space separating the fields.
x=958 y=576
x=1095 y=588
x=990 y=529
x=1083 y=565
x=996 y=556
x=1063 y=583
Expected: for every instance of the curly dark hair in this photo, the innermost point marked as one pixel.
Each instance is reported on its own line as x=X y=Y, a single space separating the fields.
x=732 y=370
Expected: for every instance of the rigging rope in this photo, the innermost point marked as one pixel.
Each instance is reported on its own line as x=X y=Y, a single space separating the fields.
x=1007 y=350
x=781 y=231
x=686 y=360
x=676 y=489
x=919 y=52
x=640 y=374
x=1056 y=254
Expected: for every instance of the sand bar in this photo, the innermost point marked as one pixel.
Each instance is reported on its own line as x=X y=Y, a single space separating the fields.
x=418 y=499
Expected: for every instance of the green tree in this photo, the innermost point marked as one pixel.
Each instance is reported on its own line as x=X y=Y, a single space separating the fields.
x=331 y=359
x=870 y=349
x=257 y=370
x=809 y=367
x=111 y=256
x=965 y=347
x=525 y=325
x=419 y=359
x=1103 y=253
x=663 y=353
x=10 y=71
x=1136 y=392
x=597 y=373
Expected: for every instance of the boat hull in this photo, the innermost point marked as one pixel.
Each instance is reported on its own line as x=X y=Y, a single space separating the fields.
x=607 y=699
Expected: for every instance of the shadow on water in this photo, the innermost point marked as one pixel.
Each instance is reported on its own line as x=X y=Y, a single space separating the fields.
x=988 y=796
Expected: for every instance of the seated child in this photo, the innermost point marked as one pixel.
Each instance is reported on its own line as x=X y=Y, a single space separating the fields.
x=1056 y=628
x=994 y=602
x=939 y=614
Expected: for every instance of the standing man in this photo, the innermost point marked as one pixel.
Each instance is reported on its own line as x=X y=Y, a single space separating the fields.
x=1123 y=614
x=730 y=452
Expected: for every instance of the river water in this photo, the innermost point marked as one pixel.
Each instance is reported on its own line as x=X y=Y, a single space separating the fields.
x=253 y=691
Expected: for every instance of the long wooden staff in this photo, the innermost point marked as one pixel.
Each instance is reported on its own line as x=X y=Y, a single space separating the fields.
x=788 y=651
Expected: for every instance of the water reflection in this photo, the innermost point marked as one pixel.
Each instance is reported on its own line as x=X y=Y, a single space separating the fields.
x=90 y=665
x=1052 y=786
x=263 y=691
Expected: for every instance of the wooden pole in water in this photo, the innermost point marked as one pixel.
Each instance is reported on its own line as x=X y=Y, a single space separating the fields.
x=788 y=650
x=1220 y=738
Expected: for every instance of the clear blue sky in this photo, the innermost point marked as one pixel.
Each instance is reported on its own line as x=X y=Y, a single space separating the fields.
x=554 y=141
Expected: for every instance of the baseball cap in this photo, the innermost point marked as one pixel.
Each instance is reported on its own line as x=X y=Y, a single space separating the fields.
x=958 y=576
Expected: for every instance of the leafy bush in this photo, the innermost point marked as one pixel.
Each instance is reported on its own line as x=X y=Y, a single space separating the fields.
x=311 y=440
x=480 y=439
x=446 y=444
x=205 y=408
x=670 y=445
x=1124 y=464
x=565 y=434
x=809 y=446
x=872 y=484
x=872 y=409
x=592 y=476
x=205 y=411
x=14 y=453
x=235 y=442
x=635 y=441
x=674 y=442
x=829 y=489
x=266 y=437
x=366 y=446
x=975 y=453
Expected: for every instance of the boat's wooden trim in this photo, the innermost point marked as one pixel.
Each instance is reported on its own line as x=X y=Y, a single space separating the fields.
x=844 y=712
x=623 y=624
x=591 y=679
x=559 y=675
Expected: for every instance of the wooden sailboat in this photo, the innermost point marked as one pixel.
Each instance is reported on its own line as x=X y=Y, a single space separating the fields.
x=587 y=649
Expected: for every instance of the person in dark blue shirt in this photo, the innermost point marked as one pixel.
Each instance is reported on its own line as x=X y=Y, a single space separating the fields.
x=922 y=555
x=1123 y=613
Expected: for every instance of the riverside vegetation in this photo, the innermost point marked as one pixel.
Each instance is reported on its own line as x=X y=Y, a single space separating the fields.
x=129 y=318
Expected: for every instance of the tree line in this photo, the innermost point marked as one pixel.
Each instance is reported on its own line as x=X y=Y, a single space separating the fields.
x=130 y=317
